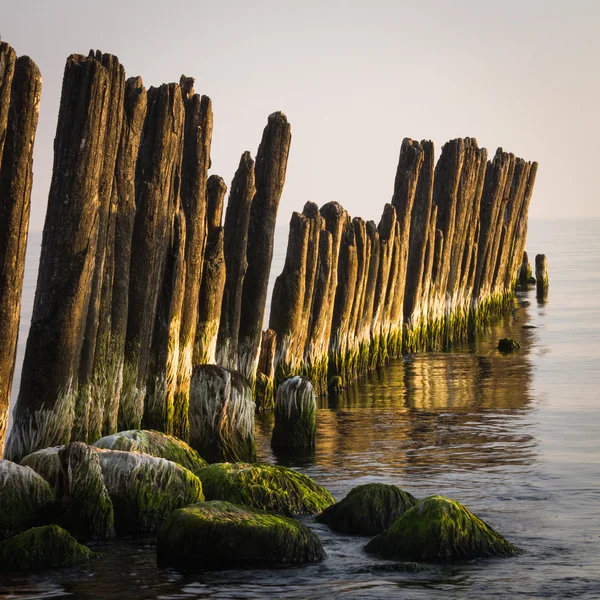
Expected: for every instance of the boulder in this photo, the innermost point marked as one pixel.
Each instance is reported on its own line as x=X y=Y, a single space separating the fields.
x=265 y=487
x=42 y=548
x=24 y=498
x=221 y=535
x=156 y=444
x=145 y=490
x=439 y=528
x=45 y=463
x=368 y=509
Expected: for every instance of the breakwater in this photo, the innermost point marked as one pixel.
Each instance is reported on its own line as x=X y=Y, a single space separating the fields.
x=140 y=279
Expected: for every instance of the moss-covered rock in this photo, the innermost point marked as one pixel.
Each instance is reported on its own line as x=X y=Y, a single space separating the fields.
x=42 y=548
x=368 y=509
x=508 y=345
x=438 y=528
x=145 y=490
x=45 y=463
x=213 y=535
x=25 y=497
x=156 y=444
x=265 y=487
x=86 y=504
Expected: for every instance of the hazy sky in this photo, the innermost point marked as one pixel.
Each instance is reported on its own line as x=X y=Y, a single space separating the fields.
x=354 y=78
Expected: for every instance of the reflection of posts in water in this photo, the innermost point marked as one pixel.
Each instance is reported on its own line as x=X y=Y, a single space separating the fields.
x=20 y=92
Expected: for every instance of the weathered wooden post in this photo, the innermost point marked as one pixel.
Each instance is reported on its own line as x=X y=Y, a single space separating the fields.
x=541 y=276
x=237 y=219
x=17 y=136
x=221 y=415
x=295 y=415
x=157 y=188
x=120 y=411
x=270 y=169
x=197 y=139
x=264 y=389
x=213 y=277
x=45 y=407
x=287 y=303
x=525 y=272
x=93 y=366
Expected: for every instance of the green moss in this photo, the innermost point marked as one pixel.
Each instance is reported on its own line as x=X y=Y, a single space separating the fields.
x=265 y=487
x=508 y=345
x=156 y=444
x=42 y=548
x=220 y=535
x=264 y=392
x=145 y=490
x=25 y=498
x=368 y=509
x=335 y=385
x=45 y=463
x=438 y=528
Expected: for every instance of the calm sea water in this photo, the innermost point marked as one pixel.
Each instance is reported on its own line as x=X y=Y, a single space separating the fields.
x=516 y=438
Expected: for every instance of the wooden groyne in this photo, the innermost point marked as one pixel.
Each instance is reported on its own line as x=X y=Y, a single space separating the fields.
x=443 y=259
x=141 y=281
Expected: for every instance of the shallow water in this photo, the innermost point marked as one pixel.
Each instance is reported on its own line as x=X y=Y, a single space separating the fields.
x=515 y=438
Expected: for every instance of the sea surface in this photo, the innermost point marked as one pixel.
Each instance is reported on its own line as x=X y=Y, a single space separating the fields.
x=516 y=438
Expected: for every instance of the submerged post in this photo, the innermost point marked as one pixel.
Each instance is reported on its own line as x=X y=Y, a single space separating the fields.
x=541 y=276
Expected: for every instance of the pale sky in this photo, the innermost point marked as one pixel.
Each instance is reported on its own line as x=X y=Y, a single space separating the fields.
x=354 y=78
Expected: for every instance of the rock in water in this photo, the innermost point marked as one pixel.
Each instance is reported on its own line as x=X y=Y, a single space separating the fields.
x=221 y=415
x=508 y=345
x=221 y=535
x=156 y=444
x=295 y=415
x=88 y=509
x=368 y=509
x=42 y=548
x=436 y=528
x=146 y=490
x=24 y=497
x=265 y=487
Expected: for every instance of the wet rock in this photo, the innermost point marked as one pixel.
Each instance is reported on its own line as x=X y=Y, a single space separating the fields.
x=265 y=487
x=295 y=415
x=368 y=509
x=86 y=504
x=438 y=527
x=156 y=444
x=24 y=498
x=220 y=535
x=221 y=415
x=145 y=490
x=42 y=548
x=508 y=345
x=45 y=463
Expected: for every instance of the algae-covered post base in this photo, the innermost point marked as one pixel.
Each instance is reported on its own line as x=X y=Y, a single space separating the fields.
x=525 y=273
x=295 y=415
x=220 y=535
x=508 y=345
x=221 y=415
x=439 y=528
x=264 y=386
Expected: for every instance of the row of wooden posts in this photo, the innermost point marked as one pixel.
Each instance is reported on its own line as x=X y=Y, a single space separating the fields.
x=139 y=280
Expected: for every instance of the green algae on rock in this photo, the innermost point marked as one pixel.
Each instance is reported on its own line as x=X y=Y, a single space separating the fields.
x=508 y=345
x=265 y=487
x=24 y=498
x=42 y=548
x=368 y=509
x=45 y=463
x=222 y=535
x=156 y=444
x=145 y=490
x=438 y=528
